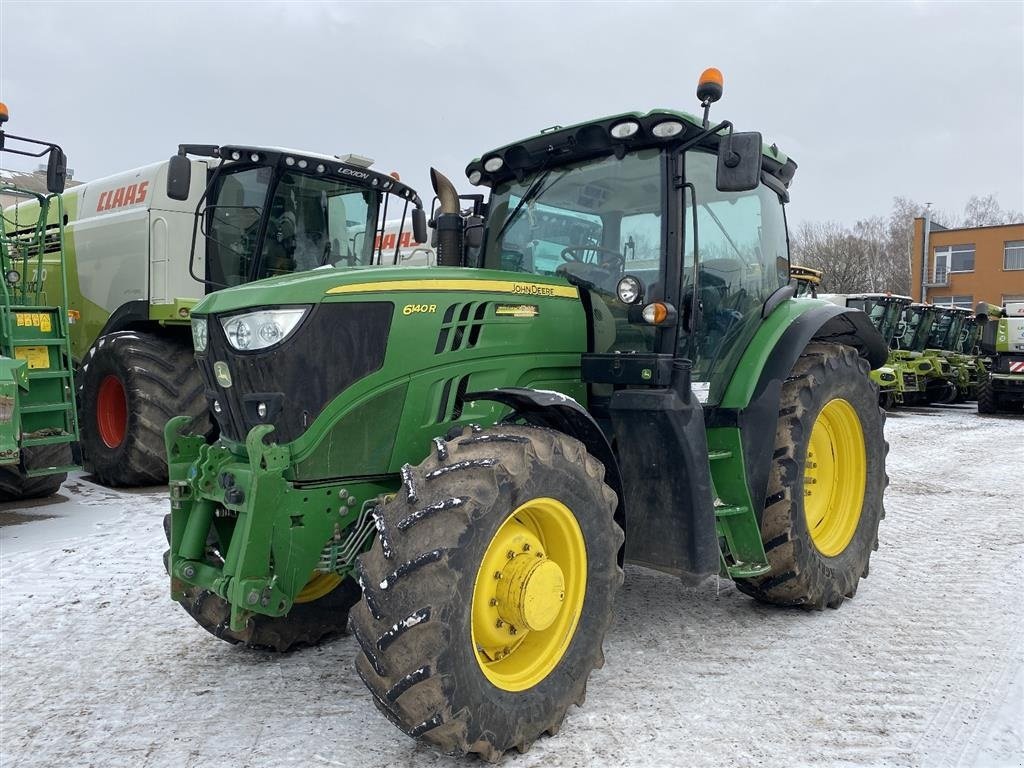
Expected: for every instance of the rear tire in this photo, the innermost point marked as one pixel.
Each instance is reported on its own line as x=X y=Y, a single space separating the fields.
x=306 y=624
x=441 y=655
x=15 y=485
x=820 y=564
x=130 y=385
x=988 y=402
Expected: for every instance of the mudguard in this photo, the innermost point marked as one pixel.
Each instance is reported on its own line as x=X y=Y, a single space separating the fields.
x=554 y=410
x=758 y=415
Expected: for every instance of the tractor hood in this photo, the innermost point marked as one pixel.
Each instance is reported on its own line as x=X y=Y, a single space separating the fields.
x=314 y=286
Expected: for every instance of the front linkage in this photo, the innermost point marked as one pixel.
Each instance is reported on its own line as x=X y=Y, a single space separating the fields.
x=277 y=531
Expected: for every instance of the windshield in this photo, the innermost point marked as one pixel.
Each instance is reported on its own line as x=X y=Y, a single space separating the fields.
x=591 y=222
x=917 y=321
x=941 y=330
x=309 y=221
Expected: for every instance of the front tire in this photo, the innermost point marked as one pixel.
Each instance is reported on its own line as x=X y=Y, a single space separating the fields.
x=488 y=590
x=824 y=504
x=131 y=384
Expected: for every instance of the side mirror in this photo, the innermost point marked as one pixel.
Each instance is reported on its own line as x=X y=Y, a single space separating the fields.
x=739 y=162
x=56 y=171
x=179 y=177
x=419 y=225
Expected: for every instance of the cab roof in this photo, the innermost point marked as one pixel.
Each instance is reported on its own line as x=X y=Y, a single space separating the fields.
x=594 y=139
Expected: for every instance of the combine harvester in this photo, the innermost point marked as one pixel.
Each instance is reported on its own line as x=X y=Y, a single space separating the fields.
x=37 y=397
x=137 y=266
x=481 y=445
x=933 y=371
x=1002 y=338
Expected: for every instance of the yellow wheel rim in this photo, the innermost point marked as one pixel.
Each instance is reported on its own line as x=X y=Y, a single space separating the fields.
x=835 y=474
x=319 y=585
x=528 y=595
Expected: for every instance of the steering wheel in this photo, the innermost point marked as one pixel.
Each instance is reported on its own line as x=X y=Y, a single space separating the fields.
x=591 y=254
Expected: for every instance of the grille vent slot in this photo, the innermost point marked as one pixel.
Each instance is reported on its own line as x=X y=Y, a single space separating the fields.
x=449 y=407
x=461 y=326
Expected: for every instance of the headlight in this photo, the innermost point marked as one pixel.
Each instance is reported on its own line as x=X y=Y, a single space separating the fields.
x=199 y=334
x=625 y=129
x=629 y=290
x=259 y=330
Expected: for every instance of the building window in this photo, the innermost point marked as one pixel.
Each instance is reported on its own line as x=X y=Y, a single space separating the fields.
x=953 y=258
x=954 y=301
x=1013 y=254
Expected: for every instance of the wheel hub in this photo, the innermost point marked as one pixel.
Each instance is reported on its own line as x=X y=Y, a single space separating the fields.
x=530 y=592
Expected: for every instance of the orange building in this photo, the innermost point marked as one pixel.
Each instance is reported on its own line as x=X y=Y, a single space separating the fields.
x=968 y=265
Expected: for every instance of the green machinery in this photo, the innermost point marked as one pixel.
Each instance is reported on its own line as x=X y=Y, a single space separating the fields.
x=944 y=343
x=898 y=380
x=910 y=350
x=37 y=400
x=466 y=455
x=1001 y=388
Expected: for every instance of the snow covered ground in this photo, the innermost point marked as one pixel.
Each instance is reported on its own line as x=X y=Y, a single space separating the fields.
x=925 y=667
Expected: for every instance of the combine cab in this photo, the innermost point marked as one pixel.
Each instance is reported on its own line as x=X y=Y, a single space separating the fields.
x=807 y=280
x=1002 y=338
x=37 y=401
x=933 y=372
x=465 y=455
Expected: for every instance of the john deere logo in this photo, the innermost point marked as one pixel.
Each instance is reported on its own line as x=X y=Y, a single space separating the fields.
x=222 y=374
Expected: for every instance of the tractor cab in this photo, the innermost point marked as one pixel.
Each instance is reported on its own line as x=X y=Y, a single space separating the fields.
x=267 y=211
x=912 y=335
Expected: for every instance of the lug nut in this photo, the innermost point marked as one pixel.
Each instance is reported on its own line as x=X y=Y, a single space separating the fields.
x=510 y=554
x=188 y=571
x=497 y=574
x=512 y=630
x=493 y=601
x=526 y=547
x=499 y=623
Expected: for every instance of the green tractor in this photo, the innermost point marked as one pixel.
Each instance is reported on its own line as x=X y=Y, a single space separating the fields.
x=932 y=371
x=37 y=399
x=465 y=456
x=1002 y=338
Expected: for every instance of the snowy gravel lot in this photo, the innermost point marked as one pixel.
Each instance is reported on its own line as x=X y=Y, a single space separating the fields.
x=925 y=667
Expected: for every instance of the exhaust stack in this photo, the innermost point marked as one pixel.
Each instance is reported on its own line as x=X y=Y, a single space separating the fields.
x=448 y=224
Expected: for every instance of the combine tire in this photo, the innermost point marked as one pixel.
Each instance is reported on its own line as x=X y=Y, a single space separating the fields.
x=488 y=590
x=988 y=402
x=130 y=384
x=15 y=485
x=820 y=522
x=321 y=614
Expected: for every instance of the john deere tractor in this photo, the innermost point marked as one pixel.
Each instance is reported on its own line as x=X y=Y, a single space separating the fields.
x=465 y=456
x=1002 y=338
x=37 y=400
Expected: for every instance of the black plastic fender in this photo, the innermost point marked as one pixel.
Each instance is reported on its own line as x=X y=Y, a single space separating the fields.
x=758 y=420
x=553 y=410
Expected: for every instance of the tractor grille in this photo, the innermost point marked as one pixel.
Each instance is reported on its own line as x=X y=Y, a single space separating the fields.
x=461 y=326
x=336 y=345
x=909 y=380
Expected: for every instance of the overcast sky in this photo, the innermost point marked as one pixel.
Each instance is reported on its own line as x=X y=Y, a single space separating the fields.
x=872 y=100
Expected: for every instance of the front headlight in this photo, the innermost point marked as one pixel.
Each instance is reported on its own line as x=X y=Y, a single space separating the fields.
x=199 y=334
x=262 y=329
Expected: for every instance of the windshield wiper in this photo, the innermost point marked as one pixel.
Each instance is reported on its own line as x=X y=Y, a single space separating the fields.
x=532 y=192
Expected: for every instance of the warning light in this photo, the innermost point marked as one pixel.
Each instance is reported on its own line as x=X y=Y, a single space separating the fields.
x=4 y=114
x=710 y=85
x=394 y=175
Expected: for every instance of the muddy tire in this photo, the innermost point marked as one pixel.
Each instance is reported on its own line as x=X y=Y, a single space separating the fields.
x=15 y=485
x=306 y=624
x=446 y=659
x=130 y=385
x=829 y=445
x=988 y=402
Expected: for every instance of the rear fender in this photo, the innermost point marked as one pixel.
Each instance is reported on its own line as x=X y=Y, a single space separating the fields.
x=751 y=402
